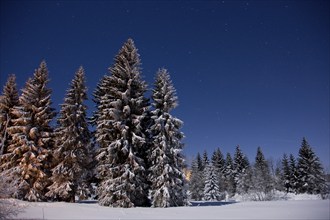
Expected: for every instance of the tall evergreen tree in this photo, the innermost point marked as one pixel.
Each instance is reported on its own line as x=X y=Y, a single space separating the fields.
x=72 y=151
x=293 y=174
x=8 y=100
x=286 y=174
x=310 y=171
x=196 y=184
x=229 y=175
x=211 y=188
x=262 y=181
x=165 y=174
x=241 y=171
x=121 y=108
x=32 y=138
x=218 y=163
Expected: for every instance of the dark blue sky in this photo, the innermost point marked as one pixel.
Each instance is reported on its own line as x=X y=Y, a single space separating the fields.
x=253 y=73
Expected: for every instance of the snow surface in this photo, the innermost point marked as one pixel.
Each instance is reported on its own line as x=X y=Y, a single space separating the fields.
x=291 y=209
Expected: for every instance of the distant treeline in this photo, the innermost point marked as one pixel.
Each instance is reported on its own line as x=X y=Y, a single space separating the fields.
x=222 y=177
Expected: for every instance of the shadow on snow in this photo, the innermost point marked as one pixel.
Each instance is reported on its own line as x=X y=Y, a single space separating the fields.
x=87 y=201
x=192 y=203
x=210 y=203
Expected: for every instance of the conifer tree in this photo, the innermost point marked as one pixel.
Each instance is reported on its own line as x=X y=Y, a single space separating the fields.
x=32 y=138
x=286 y=174
x=262 y=182
x=218 y=163
x=196 y=184
x=229 y=175
x=241 y=171
x=293 y=174
x=310 y=171
x=8 y=100
x=211 y=188
x=72 y=145
x=165 y=174
x=121 y=108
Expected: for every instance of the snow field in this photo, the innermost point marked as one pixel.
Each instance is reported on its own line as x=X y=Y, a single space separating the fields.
x=293 y=209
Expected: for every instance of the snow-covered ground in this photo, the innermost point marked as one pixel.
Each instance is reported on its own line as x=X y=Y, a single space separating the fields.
x=291 y=209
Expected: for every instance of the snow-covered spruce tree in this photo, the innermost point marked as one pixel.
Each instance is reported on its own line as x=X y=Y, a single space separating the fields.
x=229 y=175
x=196 y=185
x=204 y=162
x=311 y=177
x=211 y=188
x=8 y=100
x=121 y=108
x=293 y=174
x=218 y=163
x=72 y=145
x=286 y=174
x=241 y=172
x=32 y=138
x=261 y=181
x=166 y=172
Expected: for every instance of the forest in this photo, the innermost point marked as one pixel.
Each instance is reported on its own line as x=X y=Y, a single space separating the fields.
x=133 y=156
x=220 y=178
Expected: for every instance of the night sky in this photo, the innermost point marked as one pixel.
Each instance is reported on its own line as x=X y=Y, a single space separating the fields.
x=248 y=73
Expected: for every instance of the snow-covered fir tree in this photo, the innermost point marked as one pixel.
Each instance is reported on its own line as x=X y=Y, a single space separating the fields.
x=241 y=172
x=8 y=100
x=165 y=174
x=293 y=173
x=286 y=174
x=262 y=181
x=211 y=188
x=72 y=153
x=229 y=175
x=196 y=184
x=218 y=163
x=204 y=163
x=244 y=179
x=310 y=171
x=121 y=108
x=32 y=138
